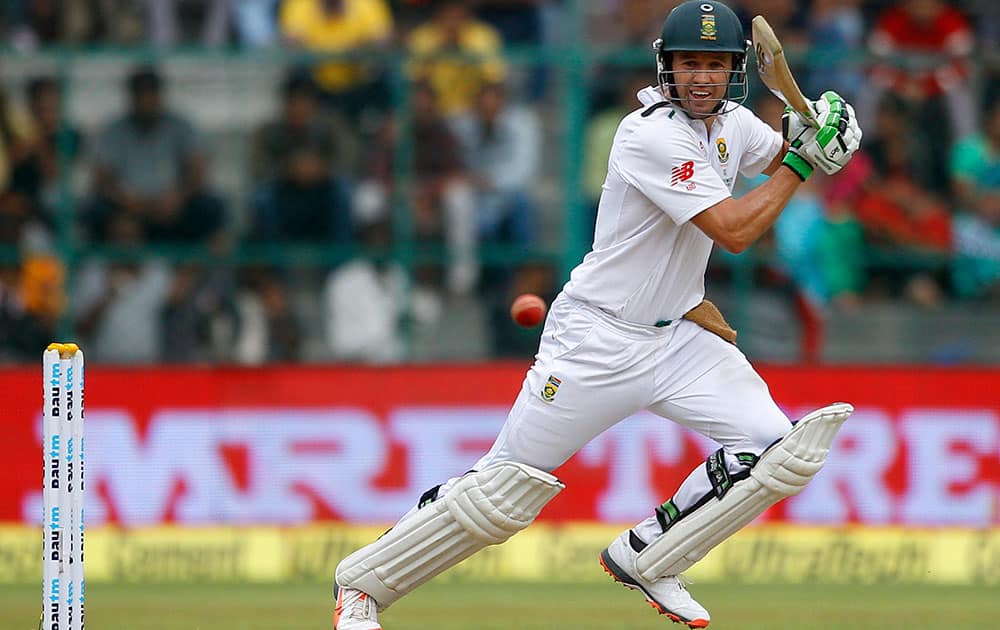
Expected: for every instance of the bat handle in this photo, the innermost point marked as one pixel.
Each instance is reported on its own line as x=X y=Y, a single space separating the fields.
x=808 y=119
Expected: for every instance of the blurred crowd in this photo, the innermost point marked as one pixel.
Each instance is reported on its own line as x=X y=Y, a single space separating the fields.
x=914 y=218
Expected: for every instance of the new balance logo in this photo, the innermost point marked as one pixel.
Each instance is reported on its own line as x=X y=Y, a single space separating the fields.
x=681 y=173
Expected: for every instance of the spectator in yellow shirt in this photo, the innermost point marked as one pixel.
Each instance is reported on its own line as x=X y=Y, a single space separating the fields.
x=341 y=27
x=456 y=54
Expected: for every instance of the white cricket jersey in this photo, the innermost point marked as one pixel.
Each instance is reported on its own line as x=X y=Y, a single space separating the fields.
x=648 y=260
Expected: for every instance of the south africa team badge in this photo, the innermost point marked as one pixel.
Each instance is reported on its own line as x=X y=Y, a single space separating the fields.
x=720 y=144
x=708 y=29
x=550 y=389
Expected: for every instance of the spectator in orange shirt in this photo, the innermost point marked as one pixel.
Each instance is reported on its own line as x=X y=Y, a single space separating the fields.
x=32 y=298
x=456 y=54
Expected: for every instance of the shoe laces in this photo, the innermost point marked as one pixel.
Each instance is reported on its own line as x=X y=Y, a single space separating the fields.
x=680 y=580
x=362 y=608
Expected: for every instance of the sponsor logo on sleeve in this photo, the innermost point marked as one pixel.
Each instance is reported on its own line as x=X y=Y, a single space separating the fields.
x=681 y=173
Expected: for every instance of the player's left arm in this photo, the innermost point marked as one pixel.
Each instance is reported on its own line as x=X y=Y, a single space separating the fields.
x=763 y=146
x=775 y=164
x=736 y=223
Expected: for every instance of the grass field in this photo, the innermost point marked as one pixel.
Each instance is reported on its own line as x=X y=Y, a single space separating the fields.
x=449 y=606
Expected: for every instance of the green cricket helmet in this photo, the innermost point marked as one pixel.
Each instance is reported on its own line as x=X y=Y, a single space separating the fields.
x=703 y=26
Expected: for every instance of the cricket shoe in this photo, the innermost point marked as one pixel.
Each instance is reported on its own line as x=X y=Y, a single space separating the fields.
x=667 y=594
x=355 y=610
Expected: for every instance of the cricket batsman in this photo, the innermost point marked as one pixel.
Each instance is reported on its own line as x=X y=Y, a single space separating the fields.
x=631 y=330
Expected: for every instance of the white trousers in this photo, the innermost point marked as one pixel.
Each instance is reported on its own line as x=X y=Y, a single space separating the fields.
x=593 y=370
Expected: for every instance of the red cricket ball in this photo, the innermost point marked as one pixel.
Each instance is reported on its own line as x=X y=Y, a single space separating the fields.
x=528 y=310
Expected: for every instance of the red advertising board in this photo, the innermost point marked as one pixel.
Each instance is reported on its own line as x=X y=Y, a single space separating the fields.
x=288 y=445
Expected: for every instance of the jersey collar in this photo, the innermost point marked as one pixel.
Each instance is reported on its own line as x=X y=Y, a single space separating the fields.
x=652 y=95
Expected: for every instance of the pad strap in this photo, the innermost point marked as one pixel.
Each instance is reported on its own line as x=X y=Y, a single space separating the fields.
x=782 y=471
x=721 y=478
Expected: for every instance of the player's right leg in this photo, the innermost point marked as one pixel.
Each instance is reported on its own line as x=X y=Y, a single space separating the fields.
x=481 y=508
x=566 y=399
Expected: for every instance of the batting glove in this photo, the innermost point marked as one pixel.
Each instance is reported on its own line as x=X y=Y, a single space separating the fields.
x=830 y=146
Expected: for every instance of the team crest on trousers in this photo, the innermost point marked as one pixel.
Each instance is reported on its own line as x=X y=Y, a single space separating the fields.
x=550 y=388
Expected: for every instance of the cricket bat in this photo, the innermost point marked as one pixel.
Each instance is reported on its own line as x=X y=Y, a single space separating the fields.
x=774 y=72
